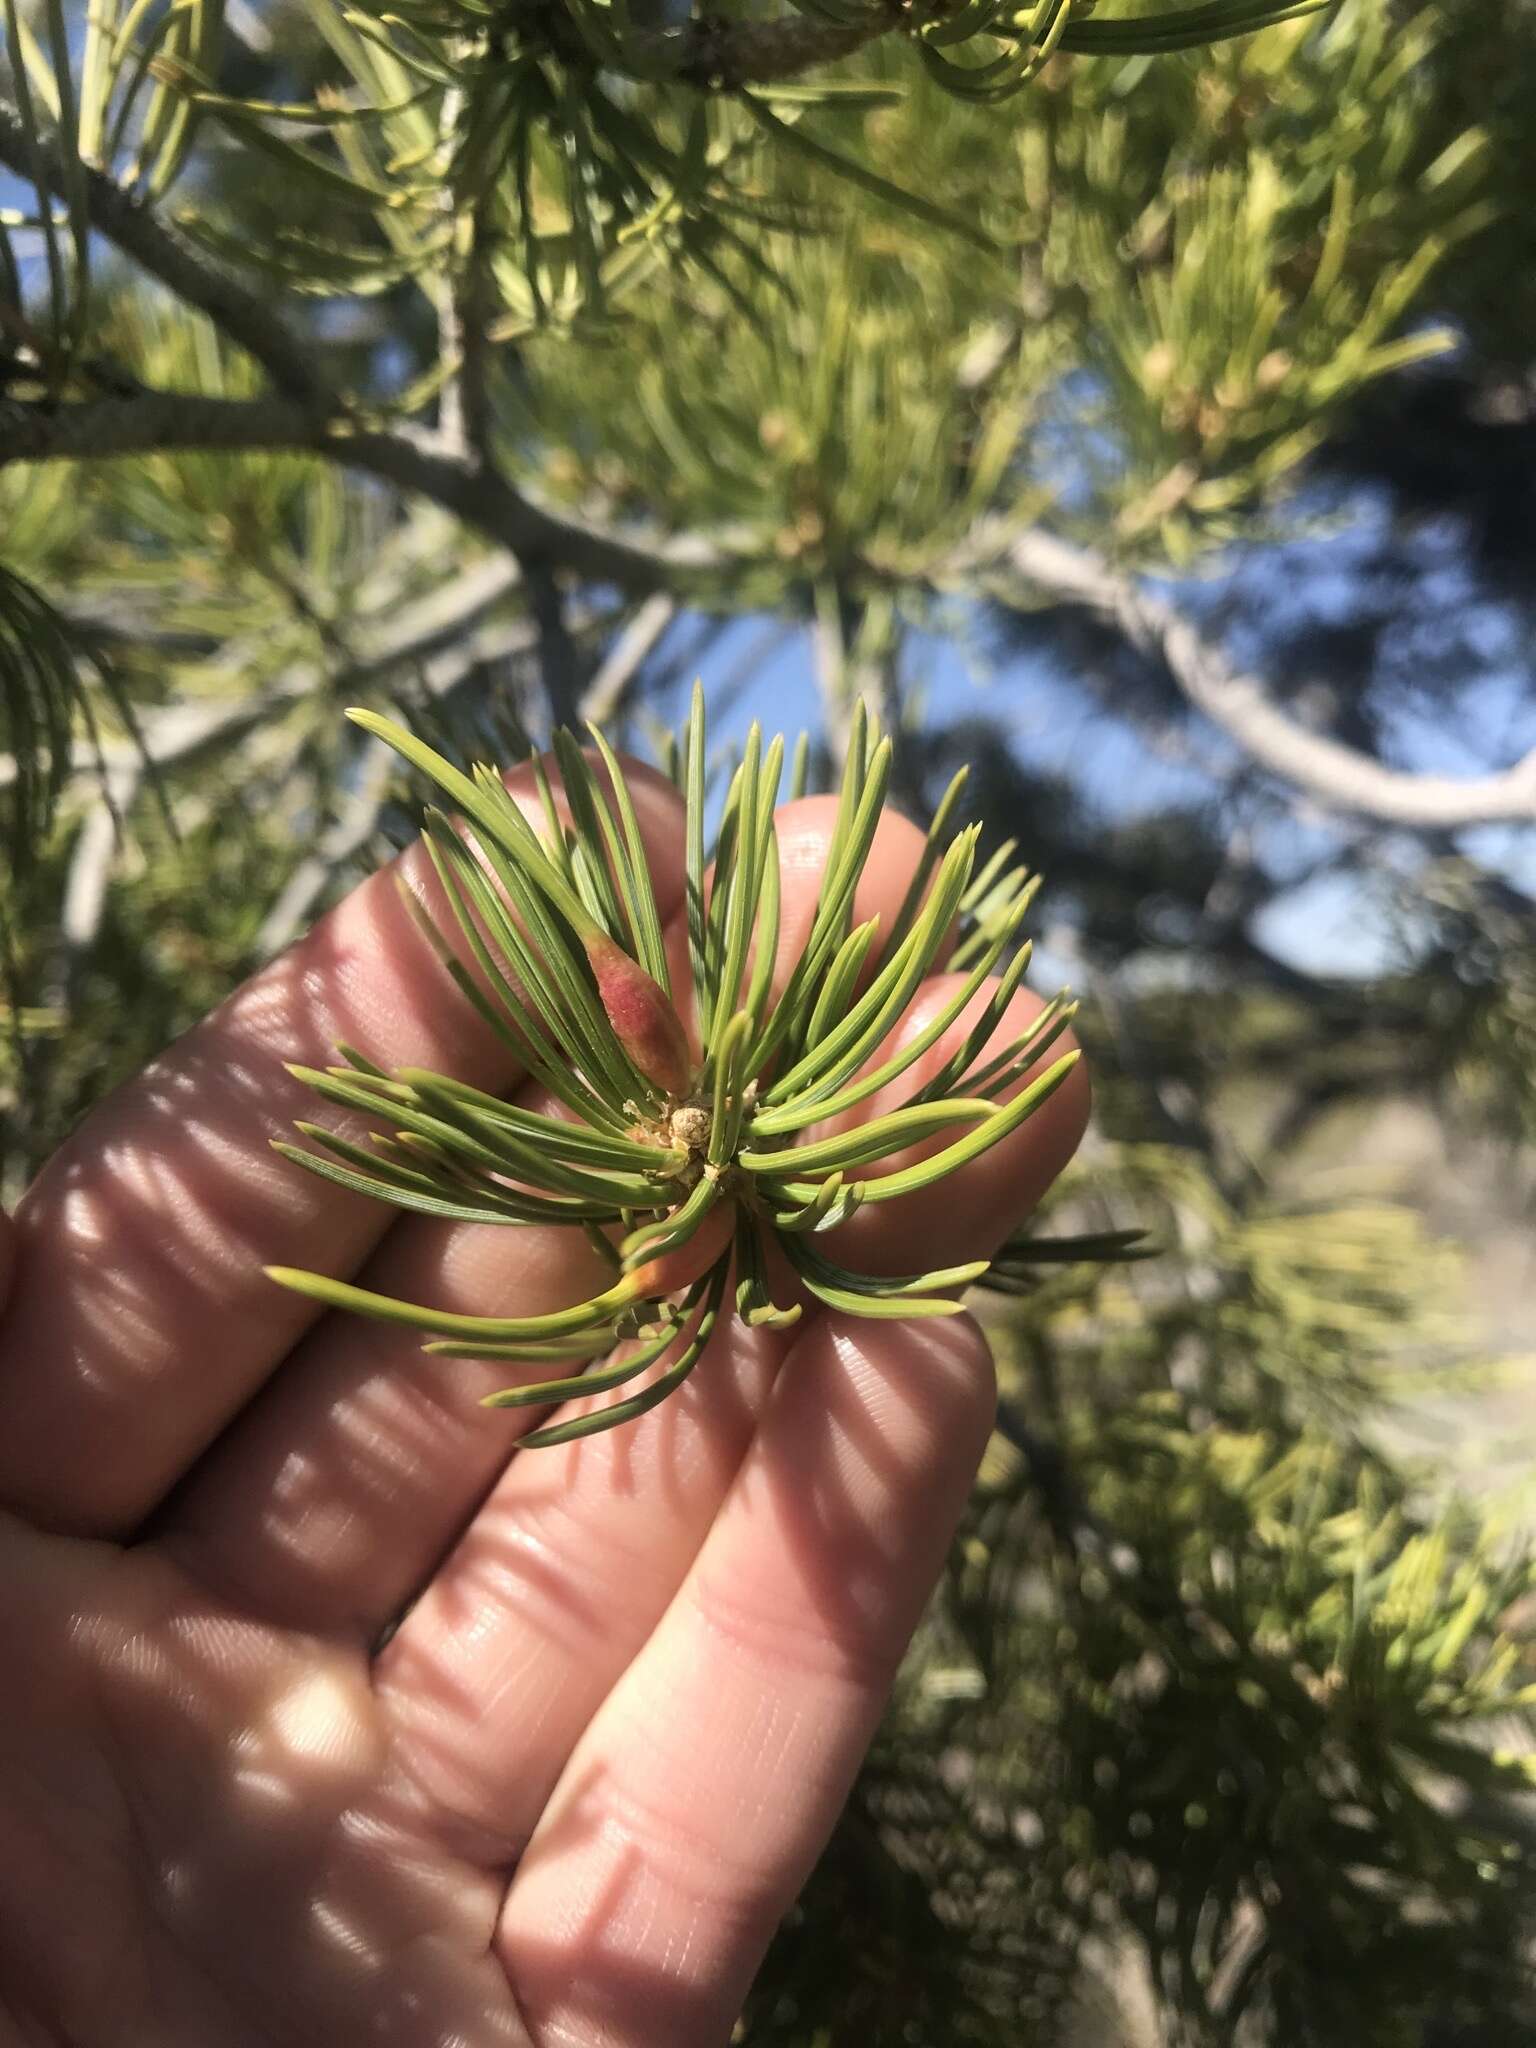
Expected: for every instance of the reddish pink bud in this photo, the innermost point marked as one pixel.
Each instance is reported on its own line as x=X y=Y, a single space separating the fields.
x=643 y=1021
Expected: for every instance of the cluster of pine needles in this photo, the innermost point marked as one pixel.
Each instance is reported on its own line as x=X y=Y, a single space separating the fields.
x=684 y=1160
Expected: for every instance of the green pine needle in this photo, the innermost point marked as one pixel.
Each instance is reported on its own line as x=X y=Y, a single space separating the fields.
x=688 y=1165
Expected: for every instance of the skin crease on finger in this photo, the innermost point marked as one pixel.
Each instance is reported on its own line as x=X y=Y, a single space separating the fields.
x=282 y=1864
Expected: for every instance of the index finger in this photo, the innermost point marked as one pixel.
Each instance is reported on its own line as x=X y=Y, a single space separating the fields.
x=140 y=1318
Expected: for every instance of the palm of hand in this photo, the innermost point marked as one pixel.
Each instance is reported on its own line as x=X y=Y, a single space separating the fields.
x=203 y=1840
x=321 y=1717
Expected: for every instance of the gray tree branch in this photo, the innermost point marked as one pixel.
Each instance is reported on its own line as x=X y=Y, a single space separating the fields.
x=559 y=664
x=413 y=459
x=150 y=422
x=1331 y=774
x=608 y=688
x=708 y=51
x=713 y=53
x=176 y=261
x=344 y=839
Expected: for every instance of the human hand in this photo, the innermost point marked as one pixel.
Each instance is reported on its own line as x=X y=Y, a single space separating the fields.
x=324 y=1717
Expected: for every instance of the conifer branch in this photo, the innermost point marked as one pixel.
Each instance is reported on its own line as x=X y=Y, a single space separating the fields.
x=150 y=422
x=155 y=422
x=418 y=461
x=305 y=413
x=558 y=662
x=1339 y=777
x=160 y=249
x=440 y=630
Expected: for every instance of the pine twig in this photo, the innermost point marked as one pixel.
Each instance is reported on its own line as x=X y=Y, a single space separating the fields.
x=347 y=836
x=412 y=459
x=1334 y=775
x=608 y=688
x=558 y=661
x=131 y=225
